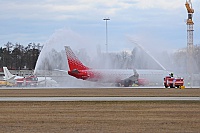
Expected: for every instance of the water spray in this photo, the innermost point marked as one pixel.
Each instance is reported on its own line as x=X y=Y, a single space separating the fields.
x=148 y=53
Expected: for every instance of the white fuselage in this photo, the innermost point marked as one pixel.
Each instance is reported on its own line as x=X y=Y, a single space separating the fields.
x=109 y=75
x=113 y=75
x=153 y=76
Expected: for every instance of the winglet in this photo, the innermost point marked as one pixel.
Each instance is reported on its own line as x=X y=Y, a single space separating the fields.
x=73 y=61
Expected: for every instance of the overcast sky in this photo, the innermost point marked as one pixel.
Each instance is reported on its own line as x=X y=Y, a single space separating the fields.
x=152 y=23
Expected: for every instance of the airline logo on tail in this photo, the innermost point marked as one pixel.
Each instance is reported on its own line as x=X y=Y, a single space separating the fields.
x=77 y=69
x=73 y=61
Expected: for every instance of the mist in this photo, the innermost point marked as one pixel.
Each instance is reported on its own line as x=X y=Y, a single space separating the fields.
x=53 y=57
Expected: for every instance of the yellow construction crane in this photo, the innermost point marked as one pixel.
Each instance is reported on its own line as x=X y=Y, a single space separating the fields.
x=188 y=5
x=190 y=10
x=190 y=25
x=190 y=30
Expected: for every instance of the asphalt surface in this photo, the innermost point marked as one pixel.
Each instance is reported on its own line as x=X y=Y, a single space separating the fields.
x=99 y=94
x=99 y=98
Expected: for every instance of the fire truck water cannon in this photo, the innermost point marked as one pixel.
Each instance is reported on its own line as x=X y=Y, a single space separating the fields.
x=172 y=82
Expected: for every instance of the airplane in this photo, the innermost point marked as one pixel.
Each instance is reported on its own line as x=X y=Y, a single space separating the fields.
x=31 y=80
x=9 y=76
x=19 y=80
x=121 y=77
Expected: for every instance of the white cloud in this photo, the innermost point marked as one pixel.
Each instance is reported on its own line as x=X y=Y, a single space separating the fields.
x=85 y=16
x=160 y=4
x=59 y=10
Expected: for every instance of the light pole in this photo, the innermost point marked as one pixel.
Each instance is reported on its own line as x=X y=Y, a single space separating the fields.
x=106 y=19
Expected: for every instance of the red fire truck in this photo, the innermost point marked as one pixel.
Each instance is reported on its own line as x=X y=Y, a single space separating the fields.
x=172 y=82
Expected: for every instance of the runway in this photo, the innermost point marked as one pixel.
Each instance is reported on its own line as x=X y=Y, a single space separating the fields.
x=61 y=99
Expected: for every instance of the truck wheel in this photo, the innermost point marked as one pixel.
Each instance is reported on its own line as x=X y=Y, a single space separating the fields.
x=171 y=86
x=177 y=86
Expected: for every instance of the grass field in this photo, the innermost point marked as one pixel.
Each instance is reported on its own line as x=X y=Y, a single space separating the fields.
x=99 y=92
x=87 y=117
x=105 y=117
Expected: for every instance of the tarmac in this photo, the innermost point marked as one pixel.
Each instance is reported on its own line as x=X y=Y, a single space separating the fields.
x=86 y=99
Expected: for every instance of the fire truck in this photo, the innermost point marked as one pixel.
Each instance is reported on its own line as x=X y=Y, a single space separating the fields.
x=172 y=82
x=27 y=81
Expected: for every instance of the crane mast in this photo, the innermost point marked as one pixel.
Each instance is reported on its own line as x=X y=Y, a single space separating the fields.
x=190 y=30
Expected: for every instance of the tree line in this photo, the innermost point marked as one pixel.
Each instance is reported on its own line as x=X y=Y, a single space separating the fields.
x=17 y=57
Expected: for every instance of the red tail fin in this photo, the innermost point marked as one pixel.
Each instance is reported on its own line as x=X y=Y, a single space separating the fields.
x=73 y=61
